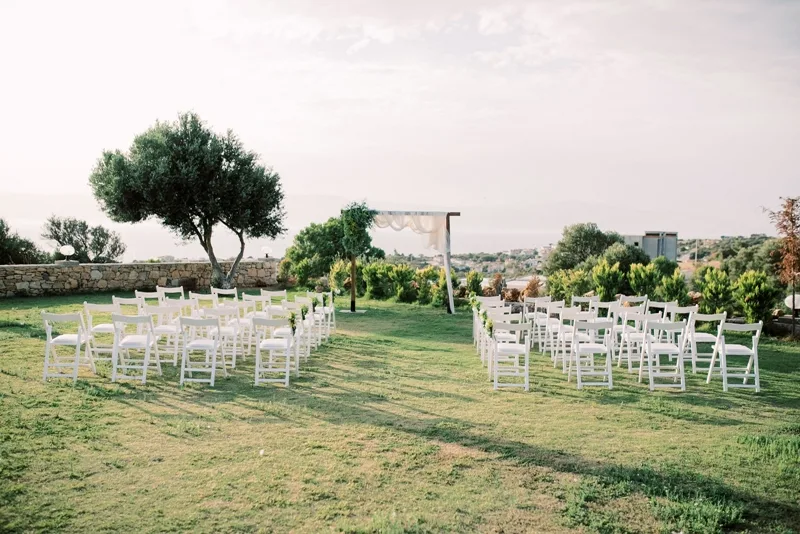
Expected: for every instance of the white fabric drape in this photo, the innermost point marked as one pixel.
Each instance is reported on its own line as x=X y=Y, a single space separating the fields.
x=433 y=228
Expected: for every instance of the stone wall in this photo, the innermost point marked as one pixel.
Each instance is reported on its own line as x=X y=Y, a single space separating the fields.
x=22 y=280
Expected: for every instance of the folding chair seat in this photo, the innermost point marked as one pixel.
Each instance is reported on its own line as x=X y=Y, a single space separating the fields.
x=59 y=365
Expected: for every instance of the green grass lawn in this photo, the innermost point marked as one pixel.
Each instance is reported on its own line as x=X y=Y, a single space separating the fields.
x=392 y=427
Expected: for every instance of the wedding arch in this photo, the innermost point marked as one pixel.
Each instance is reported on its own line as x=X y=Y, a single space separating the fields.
x=434 y=226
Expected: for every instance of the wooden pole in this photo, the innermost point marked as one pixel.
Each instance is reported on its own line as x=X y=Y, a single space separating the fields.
x=450 y=302
x=353 y=283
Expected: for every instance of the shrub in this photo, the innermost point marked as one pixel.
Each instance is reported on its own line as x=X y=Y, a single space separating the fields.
x=607 y=280
x=497 y=283
x=474 y=281
x=339 y=278
x=378 y=276
x=673 y=287
x=439 y=289
x=643 y=279
x=557 y=285
x=424 y=277
x=562 y=285
x=534 y=287
x=511 y=294
x=284 y=270
x=717 y=292
x=698 y=280
x=756 y=294
x=302 y=270
x=402 y=277
x=340 y=272
x=664 y=266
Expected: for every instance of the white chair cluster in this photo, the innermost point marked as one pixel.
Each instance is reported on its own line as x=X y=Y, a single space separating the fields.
x=209 y=332
x=653 y=339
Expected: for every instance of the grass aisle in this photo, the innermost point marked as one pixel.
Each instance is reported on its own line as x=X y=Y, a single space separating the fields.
x=392 y=427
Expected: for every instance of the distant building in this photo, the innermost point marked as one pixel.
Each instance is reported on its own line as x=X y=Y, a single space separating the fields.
x=655 y=244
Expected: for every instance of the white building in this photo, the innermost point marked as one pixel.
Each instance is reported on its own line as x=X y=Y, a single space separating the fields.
x=655 y=244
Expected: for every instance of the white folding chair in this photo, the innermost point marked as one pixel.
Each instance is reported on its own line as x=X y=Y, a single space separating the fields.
x=533 y=312
x=170 y=293
x=585 y=303
x=65 y=365
x=201 y=335
x=633 y=338
x=551 y=326
x=225 y=296
x=229 y=330
x=148 y=297
x=617 y=313
x=321 y=316
x=275 y=299
x=563 y=334
x=166 y=324
x=204 y=300
x=98 y=330
x=627 y=300
x=129 y=305
x=279 y=360
x=134 y=352
x=245 y=309
x=313 y=321
x=259 y=305
x=728 y=370
x=653 y=351
x=592 y=339
x=303 y=330
x=713 y=321
x=511 y=343
x=660 y=307
x=329 y=309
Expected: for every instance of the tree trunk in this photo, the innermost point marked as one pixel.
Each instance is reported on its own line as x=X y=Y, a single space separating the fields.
x=353 y=282
x=794 y=309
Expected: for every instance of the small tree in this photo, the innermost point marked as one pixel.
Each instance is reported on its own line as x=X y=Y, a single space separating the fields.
x=357 y=219
x=717 y=292
x=673 y=288
x=474 y=281
x=787 y=223
x=664 y=266
x=756 y=294
x=15 y=250
x=607 y=280
x=699 y=278
x=644 y=279
x=92 y=244
x=192 y=179
x=403 y=279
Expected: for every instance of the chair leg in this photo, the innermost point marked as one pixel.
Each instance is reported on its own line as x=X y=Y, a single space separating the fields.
x=609 y=367
x=723 y=364
x=46 y=361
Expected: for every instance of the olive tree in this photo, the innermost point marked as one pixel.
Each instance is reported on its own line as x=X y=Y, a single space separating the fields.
x=92 y=244
x=192 y=180
x=357 y=219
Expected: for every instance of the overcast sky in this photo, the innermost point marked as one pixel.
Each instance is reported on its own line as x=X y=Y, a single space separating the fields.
x=525 y=116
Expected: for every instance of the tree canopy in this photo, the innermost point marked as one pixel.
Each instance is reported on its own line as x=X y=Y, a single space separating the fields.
x=321 y=245
x=192 y=179
x=357 y=219
x=92 y=244
x=16 y=250
x=578 y=243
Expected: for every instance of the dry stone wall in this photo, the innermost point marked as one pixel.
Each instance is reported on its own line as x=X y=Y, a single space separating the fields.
x=23 y=280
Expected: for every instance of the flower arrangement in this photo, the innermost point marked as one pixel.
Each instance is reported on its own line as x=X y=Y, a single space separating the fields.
x=314 y=304
x=303 y=312
x=293 y=321
x=324 y=300
x=489 y=327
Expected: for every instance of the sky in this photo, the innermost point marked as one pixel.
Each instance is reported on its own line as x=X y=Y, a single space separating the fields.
x=679 y=115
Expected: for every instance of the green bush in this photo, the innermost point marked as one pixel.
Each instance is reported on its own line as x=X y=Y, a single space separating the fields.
x=717 y=291
x=673 y=287
x=439 y=289
x=340 y=275
x=756 y=295
x=607 y=280
x=474 y=281
x=284 y=270
x=562 y=285
x=425 y=277
x=699 y=278
x=402 y=277
x=644 y=279
x=378 y=276
x=302 y=270
x=664 y=266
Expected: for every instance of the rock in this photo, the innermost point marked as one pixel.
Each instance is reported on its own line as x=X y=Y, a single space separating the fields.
x=102 y=284
x=96 y=275
x=23 y=285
